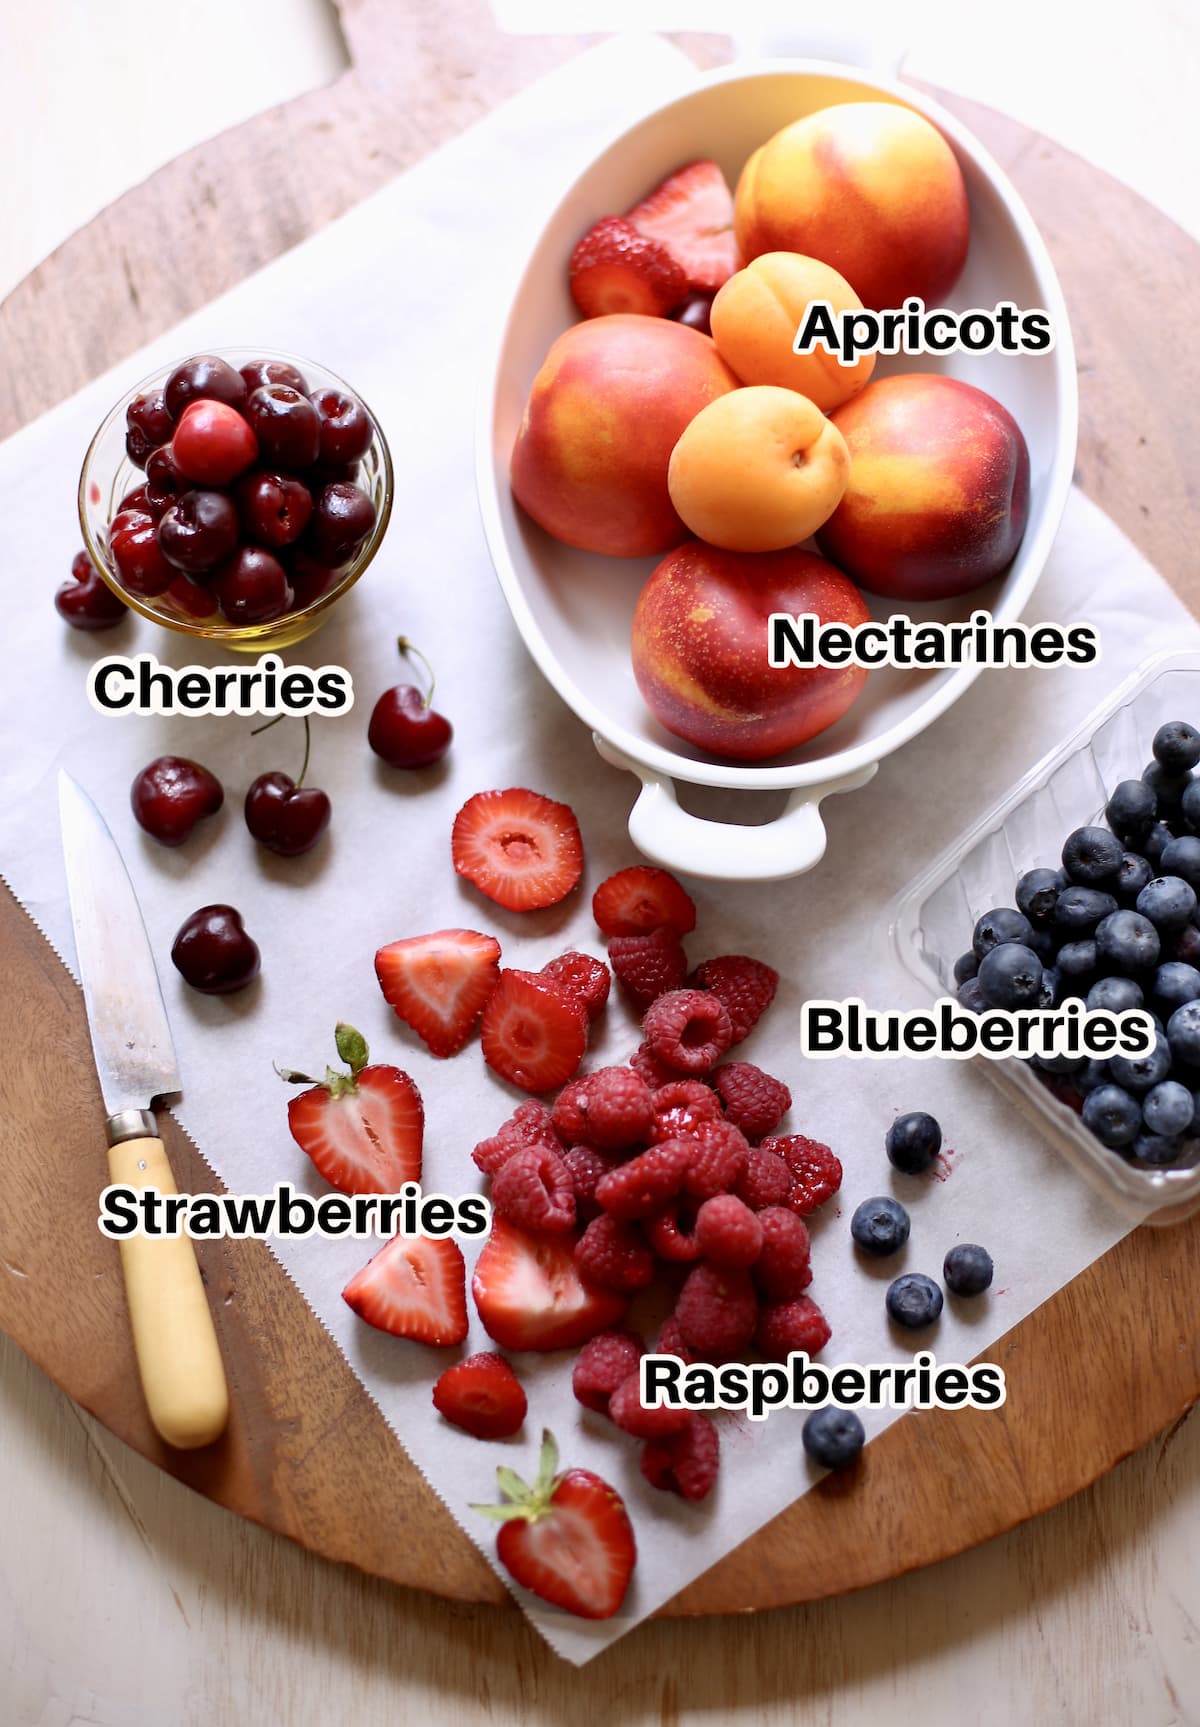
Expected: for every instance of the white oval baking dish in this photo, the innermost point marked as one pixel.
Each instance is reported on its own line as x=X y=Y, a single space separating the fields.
x=574 y=608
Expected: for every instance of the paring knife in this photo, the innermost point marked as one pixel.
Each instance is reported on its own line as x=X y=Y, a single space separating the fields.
x=177 y=1352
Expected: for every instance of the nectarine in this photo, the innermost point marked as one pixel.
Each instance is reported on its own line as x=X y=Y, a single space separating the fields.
x=604 y=413
x=757 y=313
x=700 y=648
x=939 y=488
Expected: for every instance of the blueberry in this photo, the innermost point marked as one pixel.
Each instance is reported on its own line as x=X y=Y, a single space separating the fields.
x=1191 y=804
x=1182 y=858
x=1168 y=787
x=1011 y=976
x=913 y=1142
x=1072 y=1064
x=1116 y=994
x=1168 y=1108
x=1156 y=841
x=1037 y=893
x=1187 y=945
x=914 y=1300
x=833 y=1437
x=1113 y=1116
x=1092 y=855
x=1139 y=1072
x=1126 y=941
x=1092 y=1076
x=880 y=1226
x=1135 y=873
x=965 y=966
x=1183 y=1034
x=1003 y=924
x=1080 y=909
x=970 y=996
x=1177 y=746
x=968 y=1269
x=1076 y=959
x=1168 y=902
x=1131 y=810
x=1175 y=983
x=1044 y=943
x=1156 y=1149
x=1050 y=990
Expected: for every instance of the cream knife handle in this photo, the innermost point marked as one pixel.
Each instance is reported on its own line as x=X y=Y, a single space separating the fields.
x=178 y=1356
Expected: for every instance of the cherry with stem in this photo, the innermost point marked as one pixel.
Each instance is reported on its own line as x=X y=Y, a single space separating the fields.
x=282 y=813
x=405 y=729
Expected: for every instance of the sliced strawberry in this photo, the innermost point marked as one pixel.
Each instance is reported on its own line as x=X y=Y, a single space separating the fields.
x=533 y=1035
x=437 y=984
x=414 y=1287
x=614 y=268
x=692 y=214
x=482 y=1395
x=519 y=848
x=530 y=1295
x=639 y=900
x=363 y=1129
x=567 y=1538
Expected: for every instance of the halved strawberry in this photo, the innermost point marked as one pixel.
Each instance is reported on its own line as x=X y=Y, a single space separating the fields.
x=521 y=849
x=363 y=1129
x=438 y=983
x=567 y=1538
x=533 y=1035
x=691 y=212
x=639 y=900
x=416 y=1286
x=530 y=1295
x=614 y=268
x=482 y=1395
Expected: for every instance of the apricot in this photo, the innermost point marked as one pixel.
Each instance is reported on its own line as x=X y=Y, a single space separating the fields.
x=700 y=639
x=939 y=488
x=870 y=188
x=758 y=469
x=757 y=313
x=604 y=413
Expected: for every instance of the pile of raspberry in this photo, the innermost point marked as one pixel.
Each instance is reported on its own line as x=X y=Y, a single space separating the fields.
x=671 y=1176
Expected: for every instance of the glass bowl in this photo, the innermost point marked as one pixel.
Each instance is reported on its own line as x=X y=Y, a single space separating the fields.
x=108 y=475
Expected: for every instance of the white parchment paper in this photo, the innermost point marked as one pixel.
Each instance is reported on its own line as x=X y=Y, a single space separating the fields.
x=391 y=297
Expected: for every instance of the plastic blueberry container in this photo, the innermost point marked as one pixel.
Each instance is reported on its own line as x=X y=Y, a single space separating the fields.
x=931 y=922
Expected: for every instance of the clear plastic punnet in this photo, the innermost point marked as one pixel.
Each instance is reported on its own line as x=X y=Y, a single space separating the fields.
x=932 y=921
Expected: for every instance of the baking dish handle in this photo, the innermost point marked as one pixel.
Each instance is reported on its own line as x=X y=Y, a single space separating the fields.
x=728 y=851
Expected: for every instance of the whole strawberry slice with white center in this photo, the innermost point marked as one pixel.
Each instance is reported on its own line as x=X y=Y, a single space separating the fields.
x=362 y=1129
x=530 y=1295
x=438 y=984
x=414 y=1287
x=533 y=1035
x=614 y=268
x=519 y=848
x=567 y=1538
x=691 y=213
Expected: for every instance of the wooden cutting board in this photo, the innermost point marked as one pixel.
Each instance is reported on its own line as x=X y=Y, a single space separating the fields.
x=306 y=1453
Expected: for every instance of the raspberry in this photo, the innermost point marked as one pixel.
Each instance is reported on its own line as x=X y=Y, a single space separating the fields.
x=626 y=1409
x=529 y=1124
x=671 y=1233
x=533 y=1189
x=640 y=899
x=670 y=1341
x=646 y=1183
x=746 y=986
x=587 y=1166
x=766 y=1180
x=581 y=976
x=719 y=1153
x=680 y=1106
x=646 y=966
x=687 y=1463
x=783 y=1270
x=816 y=1172
x=656 y=1073
x=603 y=1362
x=618 y=1109
x=754 y=1101
x=791 y=1325
x=568 y=1118
x=717 y=1311
x=689 y=1029
x=728 y=1232
x=612 y=1255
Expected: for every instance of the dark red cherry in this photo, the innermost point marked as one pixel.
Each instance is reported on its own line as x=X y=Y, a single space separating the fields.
x=164 y=482
x=213 y=952
x=191 y=597
x=213 y=443
x=309 y=577
x=204 y=377
x=284 y=817
x=171 y=795
x=345 y=428
x=133 y=542
x=286 y=425
x=406 y=733
x=260 y=372
x=199 y=531
x=148 y=425
x=136 y=500
x=696 y=312
x=252 y=587
x=342 y=518
x=86 y=601
x=274 y=508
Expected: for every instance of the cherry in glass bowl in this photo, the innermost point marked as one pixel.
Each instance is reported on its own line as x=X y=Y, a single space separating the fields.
x=189 y=606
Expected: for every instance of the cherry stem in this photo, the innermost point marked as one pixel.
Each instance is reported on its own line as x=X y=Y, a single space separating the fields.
x=307 y=741
x=413 y=653
x=267 y=724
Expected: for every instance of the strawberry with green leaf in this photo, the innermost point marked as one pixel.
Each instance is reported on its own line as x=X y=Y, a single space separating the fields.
x=363 y=1129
